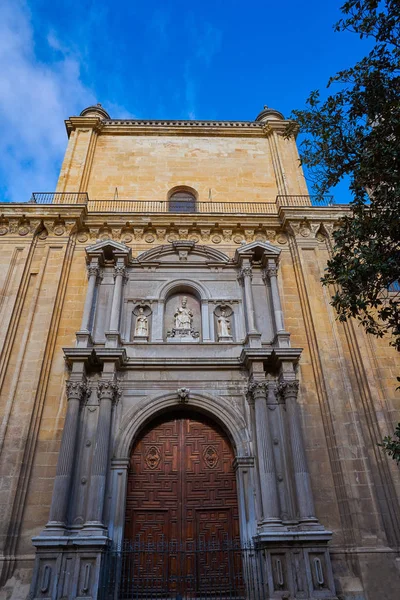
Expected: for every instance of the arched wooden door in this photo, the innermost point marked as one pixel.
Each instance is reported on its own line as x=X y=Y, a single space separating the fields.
x=181 y=483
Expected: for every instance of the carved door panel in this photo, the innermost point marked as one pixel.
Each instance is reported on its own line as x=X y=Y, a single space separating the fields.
x=181 y=483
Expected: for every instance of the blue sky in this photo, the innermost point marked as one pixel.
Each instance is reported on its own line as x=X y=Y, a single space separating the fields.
x=219 y=59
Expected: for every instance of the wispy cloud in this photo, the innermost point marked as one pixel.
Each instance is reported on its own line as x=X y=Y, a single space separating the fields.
x=206 y=41
x=35 y=98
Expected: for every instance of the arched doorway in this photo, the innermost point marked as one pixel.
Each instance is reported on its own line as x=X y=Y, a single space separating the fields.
x=182 y=521
x=181 y=482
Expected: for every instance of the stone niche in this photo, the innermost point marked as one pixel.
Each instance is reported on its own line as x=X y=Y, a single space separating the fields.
x=182 y=318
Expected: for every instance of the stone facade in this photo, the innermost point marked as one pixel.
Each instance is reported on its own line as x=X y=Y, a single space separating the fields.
x=304 y=399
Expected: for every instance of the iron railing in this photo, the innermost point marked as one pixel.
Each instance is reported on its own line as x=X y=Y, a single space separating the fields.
x=165 y=206
x=116 y=205
x=59 y=198
x=202 y=570
x=293 y=200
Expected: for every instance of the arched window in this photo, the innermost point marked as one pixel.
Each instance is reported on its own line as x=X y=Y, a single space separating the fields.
x=182 y=201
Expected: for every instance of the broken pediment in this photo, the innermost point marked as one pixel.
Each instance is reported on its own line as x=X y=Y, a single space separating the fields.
x=109 y=250
x=183 y=251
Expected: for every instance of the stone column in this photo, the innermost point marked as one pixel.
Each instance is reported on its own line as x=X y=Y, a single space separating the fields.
x=257 y=392
x=119 y=274
x=245 y=276
x=108 y=393
x=289 y=390
x=83 y=336
x=271 y=273
x=76 y=392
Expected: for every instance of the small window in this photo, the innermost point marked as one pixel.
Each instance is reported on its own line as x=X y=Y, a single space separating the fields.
x=182 y=201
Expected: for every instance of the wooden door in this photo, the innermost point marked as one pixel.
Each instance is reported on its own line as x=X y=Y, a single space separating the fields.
x=181 y=509
x=181 y=483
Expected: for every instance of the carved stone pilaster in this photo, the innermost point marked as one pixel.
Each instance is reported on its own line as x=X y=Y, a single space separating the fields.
x=83 y=336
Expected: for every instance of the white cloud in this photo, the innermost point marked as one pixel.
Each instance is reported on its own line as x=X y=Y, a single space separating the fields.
x=35 y=98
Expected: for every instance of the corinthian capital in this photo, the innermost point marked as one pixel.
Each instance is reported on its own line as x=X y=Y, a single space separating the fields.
x=288 y=389
x=120 y=270
x=245 y=272
x=109 y=390
x=93 y=270
x=77 y=390
x=257 y=389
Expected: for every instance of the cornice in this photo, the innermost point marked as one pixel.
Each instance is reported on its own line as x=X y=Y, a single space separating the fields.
x=175 y=127
x=95 y=123
x=27 y=220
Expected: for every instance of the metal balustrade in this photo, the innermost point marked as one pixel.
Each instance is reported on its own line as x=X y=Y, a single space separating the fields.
x=269 y=206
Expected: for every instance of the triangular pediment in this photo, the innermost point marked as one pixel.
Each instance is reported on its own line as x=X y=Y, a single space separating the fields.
x=258 y=250
x=185 y=250
x=108 y=250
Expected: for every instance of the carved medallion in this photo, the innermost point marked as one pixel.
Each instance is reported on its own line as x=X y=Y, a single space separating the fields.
x=210 y=456
x=153 y=457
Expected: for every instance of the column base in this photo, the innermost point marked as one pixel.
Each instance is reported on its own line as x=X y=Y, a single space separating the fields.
x=68 y=567
x=83 y=339
x=297 y=564
x=113 y=339
x=54 y=528
x=253 y=340
x=282 y=339
x=93 y=528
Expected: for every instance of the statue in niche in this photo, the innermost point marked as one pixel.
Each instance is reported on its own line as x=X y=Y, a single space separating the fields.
x=141 y=331
x=224 y=331
x=142 y=324
x=183 y=316
x=183 y=324
x=224 y=325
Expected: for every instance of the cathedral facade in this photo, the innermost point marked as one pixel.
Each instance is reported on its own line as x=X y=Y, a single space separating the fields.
x=174 y=380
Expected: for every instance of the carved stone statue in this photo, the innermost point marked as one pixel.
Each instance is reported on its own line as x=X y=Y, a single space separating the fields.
x=183 y=316
x=142 y=324
x=183 y=325
x=224 y=325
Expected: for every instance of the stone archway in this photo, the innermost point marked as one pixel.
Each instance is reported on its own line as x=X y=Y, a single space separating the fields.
x=181 y=482
x=213 y=407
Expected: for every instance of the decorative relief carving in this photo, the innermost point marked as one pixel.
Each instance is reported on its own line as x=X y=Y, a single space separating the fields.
x=93 y=269
x=205 y=234
x=183 y=395
x=109 y=389
x=210 y=456
x=120 y=270
x=153 y=457
x=256 y=389
x=288 y=389
x=245 y=272
x=77 y=390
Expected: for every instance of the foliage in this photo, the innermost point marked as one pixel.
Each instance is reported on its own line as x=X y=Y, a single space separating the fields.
x=355 y=132
x=392 y=445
